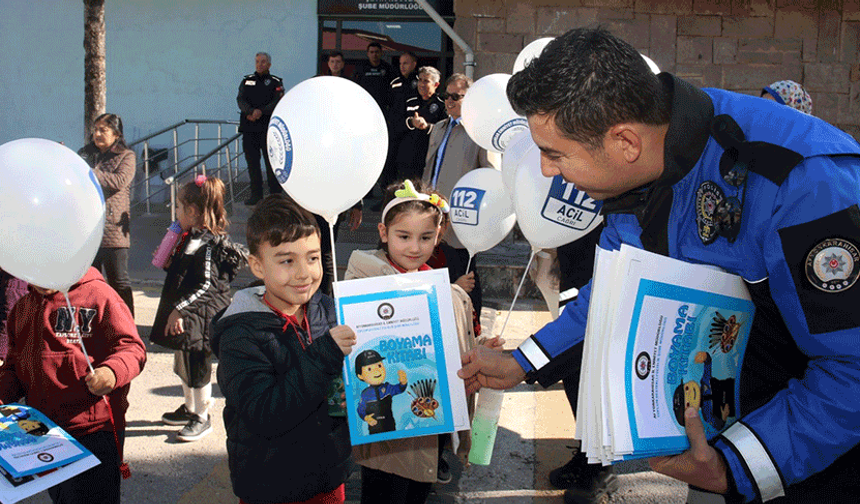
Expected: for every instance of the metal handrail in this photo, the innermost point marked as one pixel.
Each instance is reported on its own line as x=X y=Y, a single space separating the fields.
x=180 y=123
x=179 y=146
x=169 y=179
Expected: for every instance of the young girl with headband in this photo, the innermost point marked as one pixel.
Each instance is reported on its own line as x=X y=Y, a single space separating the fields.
x=404 y=470
x=197 y=286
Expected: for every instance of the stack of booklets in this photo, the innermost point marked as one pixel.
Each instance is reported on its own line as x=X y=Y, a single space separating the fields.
x=662 y=335
x=36 y=454
x=401 y=377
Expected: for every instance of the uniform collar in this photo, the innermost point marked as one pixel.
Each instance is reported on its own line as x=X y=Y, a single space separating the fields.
x=686 y=137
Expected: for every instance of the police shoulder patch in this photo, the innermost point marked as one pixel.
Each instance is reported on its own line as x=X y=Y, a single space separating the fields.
x=823 y=257
x=833 y=265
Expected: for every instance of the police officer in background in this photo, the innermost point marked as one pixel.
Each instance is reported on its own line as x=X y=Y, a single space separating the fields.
x=402 y=88
x=259 y=92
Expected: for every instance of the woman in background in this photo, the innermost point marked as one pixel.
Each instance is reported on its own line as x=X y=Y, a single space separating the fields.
x=113 y=165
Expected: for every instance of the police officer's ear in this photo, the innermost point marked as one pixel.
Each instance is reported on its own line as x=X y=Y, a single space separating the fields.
x=625 y=141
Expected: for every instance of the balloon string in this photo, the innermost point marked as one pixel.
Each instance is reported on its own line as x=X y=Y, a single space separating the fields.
x=517 y=293
x=77 y=330
x=334 y=270
x=469 y=263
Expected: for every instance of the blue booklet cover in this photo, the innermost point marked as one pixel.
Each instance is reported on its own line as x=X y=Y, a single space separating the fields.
x=398 y=378
x=688 y=352
x=30 y=443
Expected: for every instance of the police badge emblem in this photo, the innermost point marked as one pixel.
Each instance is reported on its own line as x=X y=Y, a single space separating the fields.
x=708 y=198
x=433 y=108
x=267 y=82
x=833 y=265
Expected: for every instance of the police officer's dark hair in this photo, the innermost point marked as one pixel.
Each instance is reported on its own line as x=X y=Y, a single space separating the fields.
x=590 y=81
x=333 y=54
x=278 y=219
x=268 y=57
x=679 y=400
x=114 y=122
x=374 y=44
x=411 y=54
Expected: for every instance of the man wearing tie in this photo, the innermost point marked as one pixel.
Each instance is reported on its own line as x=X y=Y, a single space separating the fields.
x=450 y=154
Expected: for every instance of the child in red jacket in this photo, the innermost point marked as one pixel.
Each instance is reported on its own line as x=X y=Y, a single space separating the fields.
x=47 y=366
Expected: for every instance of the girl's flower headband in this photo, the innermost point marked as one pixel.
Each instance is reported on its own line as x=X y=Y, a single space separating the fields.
x=408 y=193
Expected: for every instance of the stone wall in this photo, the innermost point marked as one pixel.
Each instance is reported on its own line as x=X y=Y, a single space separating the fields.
x=740 y=45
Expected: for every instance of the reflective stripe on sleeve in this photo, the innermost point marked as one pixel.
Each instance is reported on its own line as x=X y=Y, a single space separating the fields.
x=534 y=353
x=757 y=459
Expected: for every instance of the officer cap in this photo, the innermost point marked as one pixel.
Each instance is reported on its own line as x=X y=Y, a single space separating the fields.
x=366 y=358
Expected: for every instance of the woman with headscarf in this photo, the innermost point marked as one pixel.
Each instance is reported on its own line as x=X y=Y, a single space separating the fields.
x=788 y=92
x=113 y=165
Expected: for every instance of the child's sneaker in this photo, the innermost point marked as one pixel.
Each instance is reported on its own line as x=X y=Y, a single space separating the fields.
x=195 y=429
x=180 y=416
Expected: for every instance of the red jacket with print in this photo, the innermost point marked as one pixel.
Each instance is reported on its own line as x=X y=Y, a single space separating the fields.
x=47 y=366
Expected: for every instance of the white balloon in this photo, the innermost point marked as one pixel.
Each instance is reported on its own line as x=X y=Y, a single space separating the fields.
x=482 y=212
x=520 y=147
x=550 y=211
x=530 y=52
x=653 y=66
x=327 y=143
x=487 y=115
x=52 y=213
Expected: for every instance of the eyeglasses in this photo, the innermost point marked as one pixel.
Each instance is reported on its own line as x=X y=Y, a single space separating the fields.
x=453 y=96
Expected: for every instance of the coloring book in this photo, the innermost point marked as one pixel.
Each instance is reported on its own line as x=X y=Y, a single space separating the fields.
x=401 y=377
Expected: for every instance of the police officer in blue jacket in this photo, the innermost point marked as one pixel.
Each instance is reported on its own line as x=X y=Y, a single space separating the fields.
x=259 y=93
x=713 y=177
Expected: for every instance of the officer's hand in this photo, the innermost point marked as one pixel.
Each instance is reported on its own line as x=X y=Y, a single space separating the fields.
x=401 y=375
x=485 y=367
x=370 y=420
x=496 y=343
x=701 y=357
x=725 y=411
x=699 y=466
x=418 y=122
x=256 y=114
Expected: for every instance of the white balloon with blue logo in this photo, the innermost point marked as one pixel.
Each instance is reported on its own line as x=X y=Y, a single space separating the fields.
x=551 y=212
x=482 y=212
x=52 y=213
x=487 y=115
x=327 y=142
x=521 y=150
x=530 y=52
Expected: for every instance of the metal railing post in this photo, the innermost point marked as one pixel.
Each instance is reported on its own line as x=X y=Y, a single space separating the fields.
x=146 y=173
x=175 y=154
x=172 y=201
x=220 y=164
x=230 y=177
x=196 y=141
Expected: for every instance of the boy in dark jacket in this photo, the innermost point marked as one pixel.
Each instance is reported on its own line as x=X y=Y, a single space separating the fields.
x=47 y=366
x=279 y=349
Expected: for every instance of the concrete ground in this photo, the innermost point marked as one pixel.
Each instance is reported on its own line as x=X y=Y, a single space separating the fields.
x=534 y=429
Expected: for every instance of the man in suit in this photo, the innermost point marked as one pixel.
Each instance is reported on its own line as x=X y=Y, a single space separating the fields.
x=450 y=154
